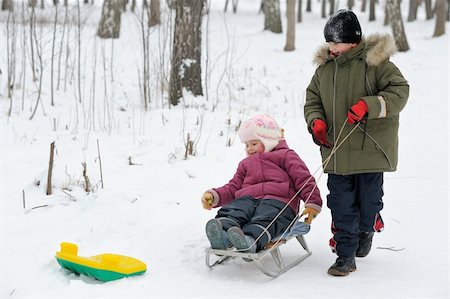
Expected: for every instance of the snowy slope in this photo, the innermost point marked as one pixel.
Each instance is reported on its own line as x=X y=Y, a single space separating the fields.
x=152 y=210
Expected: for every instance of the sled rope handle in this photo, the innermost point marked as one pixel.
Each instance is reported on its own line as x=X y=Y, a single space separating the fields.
x=322 y=166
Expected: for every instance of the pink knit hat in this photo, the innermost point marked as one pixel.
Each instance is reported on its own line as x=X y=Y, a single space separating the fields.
x=263 y=128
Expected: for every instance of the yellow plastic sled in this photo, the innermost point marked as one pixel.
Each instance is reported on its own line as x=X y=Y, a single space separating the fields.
x=104 y=267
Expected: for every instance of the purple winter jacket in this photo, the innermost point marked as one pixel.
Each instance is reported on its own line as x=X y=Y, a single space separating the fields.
x=277 y=174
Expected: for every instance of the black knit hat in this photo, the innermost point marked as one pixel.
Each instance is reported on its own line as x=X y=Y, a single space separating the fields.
x=343 y=27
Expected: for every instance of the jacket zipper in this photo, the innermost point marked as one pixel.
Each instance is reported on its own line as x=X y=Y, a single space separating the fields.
x=334 y=113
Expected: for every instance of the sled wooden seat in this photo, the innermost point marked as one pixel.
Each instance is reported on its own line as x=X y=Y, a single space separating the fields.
x=296 y=232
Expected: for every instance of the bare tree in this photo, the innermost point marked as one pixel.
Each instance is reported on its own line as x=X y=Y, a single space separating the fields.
x=413 y=6
x=308 y=5
x=272 y=16
x=290 y=33
x=11 y=54
x=109 y=26
x=448 y=10
x=372 y=5
x=186 y=52
x=363 y=5
x=428 y=9
x=53 y=55
x=324 y=9
x=299 y=11
x=7 y=4
x=332 y=7
x=234 y=3
x=441 y=11
x=396 y=21
x=350 y=4
x=155 y=14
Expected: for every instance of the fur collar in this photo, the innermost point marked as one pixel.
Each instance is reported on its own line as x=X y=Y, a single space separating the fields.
x=378 y=48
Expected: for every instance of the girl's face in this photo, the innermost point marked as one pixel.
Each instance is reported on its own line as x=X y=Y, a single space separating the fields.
x=253 y=147
x=337 y=49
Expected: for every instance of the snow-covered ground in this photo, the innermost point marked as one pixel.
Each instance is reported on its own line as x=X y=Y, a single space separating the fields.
x=151 y=210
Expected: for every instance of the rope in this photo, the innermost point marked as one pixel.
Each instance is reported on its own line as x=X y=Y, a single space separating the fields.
x=298 y=216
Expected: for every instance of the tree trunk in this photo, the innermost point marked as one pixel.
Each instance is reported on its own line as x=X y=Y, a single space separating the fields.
x=413 y=6
x=109 y=26
x=448 y=10
x=299 y=11
x=7 y=5
x=441 y=12
x=324 y=9
x=308 y=5
x=428 y=10
x=363 y=5
x=372 y=5
x=155 y=13
x=350 y=4
x=290 y=32
x=395 y=19
x=186 y=53
x=332 y=7
x=272 y=16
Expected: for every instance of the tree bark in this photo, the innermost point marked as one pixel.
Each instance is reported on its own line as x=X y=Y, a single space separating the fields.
x=109 y=26
x=308 y=5
x=290 y=32
x=186 y=53
x=395 y=19
x=350 y=4
x=50 y=168
x=428 y=9
x=155 y=13
x=441 y=12
x=413 y=6
x=299 y=11
x=372 y=5
x=7 y=5
x=272 y=16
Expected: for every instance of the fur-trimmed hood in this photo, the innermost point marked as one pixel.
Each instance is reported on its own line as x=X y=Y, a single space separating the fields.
x=378 y=48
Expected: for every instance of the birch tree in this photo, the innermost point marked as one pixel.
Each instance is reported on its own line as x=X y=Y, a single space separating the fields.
x=186 y=52
x=396 y=21
x=272 y=16
x=109 y=26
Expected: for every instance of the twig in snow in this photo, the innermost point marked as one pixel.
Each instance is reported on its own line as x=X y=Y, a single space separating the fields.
x=392 y=248
x=50 y=169
x=100 y=162
x=37 y=207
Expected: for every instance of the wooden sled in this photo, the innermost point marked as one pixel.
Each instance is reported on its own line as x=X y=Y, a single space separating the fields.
x=296 y=232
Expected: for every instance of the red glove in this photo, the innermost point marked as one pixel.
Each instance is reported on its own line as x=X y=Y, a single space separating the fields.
x=319 y=130
x=358 y=112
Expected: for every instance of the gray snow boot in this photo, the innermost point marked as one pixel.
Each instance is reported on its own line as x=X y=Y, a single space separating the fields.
x=216 y=235
x=343 y=266
x=241 y=241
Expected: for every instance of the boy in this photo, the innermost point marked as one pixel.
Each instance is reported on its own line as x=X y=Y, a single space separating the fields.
x=355 y=84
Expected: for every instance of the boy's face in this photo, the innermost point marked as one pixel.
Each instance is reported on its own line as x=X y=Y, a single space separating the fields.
x=253 y=147
x=337 y=49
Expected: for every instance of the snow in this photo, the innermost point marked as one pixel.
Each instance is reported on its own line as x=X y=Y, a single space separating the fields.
x=151 y=210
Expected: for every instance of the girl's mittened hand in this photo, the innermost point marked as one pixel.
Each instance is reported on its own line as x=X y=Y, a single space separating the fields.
x=207 y=200
x=310 y=214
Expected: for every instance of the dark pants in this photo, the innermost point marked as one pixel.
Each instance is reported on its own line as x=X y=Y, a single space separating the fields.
x=253 y=216
x=355 y=202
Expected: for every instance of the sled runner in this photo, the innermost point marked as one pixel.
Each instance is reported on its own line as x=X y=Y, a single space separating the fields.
x=296 y=232
x=104 y=267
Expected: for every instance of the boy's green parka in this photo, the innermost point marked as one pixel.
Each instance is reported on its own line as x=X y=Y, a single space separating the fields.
x=364 y=72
